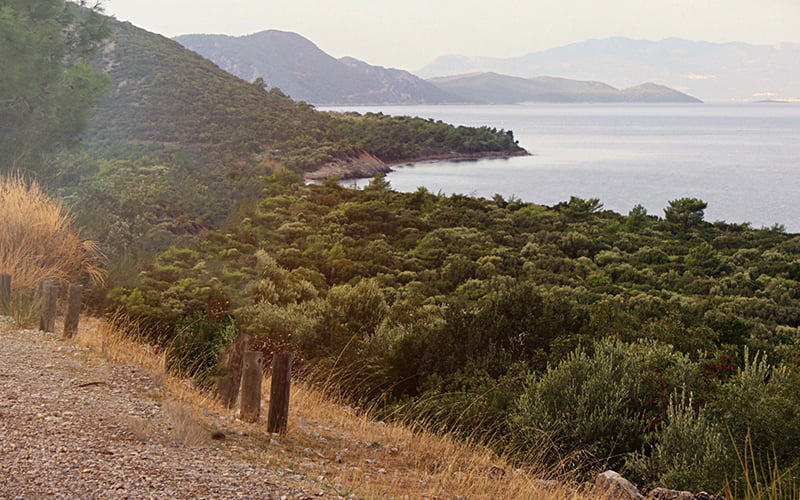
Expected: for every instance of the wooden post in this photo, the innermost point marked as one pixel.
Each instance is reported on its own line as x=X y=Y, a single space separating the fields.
x=251 y=386
x=5 y=293
x=278 y=417
x=48 y=293
x=228 y=386
x=73 y=314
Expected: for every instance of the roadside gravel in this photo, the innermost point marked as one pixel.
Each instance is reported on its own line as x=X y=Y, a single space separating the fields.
x=75 y=426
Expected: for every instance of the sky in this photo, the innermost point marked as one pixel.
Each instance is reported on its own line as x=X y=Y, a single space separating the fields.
x=408 y=34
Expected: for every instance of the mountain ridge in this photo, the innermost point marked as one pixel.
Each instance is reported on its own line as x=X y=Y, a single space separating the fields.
x=707 y=70
x=299 y=68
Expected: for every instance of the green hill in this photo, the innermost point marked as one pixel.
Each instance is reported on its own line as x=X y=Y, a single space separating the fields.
x=166 y=98
x=178 y=144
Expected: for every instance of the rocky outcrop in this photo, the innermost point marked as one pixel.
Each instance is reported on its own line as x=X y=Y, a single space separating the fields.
x=611 y=486
x=665 y=494
x=366 y=166
x=361 y=167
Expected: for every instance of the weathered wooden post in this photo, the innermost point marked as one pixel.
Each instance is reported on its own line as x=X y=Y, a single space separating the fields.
x=48 y=294
x=228 y=386
x=278 y=417
x=251 y=386
x=5 y=293
x=73 y=314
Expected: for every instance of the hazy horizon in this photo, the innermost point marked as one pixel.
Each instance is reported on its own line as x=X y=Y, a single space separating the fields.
x=411 y=34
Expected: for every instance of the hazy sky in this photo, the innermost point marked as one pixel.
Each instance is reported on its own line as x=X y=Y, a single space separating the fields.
x=409 y=34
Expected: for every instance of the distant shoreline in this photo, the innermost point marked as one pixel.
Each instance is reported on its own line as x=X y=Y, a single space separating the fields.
x=367 y=166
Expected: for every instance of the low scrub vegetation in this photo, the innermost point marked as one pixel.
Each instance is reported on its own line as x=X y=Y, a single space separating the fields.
x=653 y=345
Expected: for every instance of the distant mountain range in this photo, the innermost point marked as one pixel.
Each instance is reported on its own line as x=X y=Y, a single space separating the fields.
x=305 y=72
x=709 y=71
x=502 y=89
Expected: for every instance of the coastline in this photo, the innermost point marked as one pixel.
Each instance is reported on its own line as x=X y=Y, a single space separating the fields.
x=366 y=166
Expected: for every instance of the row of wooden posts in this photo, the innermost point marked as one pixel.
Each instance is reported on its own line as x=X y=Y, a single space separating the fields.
x=47 y=297
x=244 y=367
x=244 y=371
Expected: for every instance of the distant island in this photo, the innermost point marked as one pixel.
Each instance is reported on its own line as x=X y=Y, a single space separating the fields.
x=305 y=72
x=493 y=88
x=733 y=71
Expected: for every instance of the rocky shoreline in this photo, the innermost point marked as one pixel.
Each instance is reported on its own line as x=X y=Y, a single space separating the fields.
x=366 y=166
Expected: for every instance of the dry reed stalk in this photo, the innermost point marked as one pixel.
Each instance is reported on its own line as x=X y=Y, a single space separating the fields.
x=38 y=238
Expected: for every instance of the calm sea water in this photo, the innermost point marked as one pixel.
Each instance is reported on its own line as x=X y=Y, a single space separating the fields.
x=743 y=159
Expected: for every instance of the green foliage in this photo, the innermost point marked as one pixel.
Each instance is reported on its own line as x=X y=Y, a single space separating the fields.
x=761 y=403
x=692 y=451
x=196 y=345
x=685 y=213
x=508 y=320
x=46 y=86
x=605 y=402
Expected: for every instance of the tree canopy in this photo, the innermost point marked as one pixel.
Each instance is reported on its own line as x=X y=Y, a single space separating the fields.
x=47 y=86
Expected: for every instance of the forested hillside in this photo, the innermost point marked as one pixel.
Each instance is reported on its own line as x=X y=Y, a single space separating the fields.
x=662 y=345
x=177 y=144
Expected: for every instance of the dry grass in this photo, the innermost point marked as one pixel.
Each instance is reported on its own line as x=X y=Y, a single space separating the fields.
x=386 y=460
x=38 y=238
x=122 y=342
x=349 y=454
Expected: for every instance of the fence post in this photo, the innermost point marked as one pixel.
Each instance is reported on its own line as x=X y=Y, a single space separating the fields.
x=251 y=386
x=5 y=293
x=228 y=386
x=278 y=417
x=48 y=293
x=73 y=315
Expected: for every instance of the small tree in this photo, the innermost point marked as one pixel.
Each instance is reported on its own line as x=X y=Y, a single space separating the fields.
x=687 y=213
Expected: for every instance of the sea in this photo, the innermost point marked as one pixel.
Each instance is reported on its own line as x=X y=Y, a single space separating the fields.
x=743 y=159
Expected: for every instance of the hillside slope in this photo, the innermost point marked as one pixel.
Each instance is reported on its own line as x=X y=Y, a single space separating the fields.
x=303 y=71
x=100 y=417
x=178 y=144
x=164 y=95
x=165 y=98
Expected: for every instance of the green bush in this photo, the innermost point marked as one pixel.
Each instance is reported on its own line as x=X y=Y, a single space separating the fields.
x=605 y=402
x=197 y=344
x=691 y=451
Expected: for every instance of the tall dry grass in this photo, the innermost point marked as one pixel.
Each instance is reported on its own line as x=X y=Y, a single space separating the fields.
x=38 y=239
x=349 y=452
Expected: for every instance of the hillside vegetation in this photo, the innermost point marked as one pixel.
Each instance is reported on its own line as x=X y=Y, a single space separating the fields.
x=663 y=346
x=570 y=336
x=178 y=144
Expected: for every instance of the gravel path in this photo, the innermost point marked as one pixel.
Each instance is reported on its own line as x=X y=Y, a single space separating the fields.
x=73 y=426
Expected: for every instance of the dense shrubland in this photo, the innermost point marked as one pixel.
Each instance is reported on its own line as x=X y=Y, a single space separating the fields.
x=665 y=346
